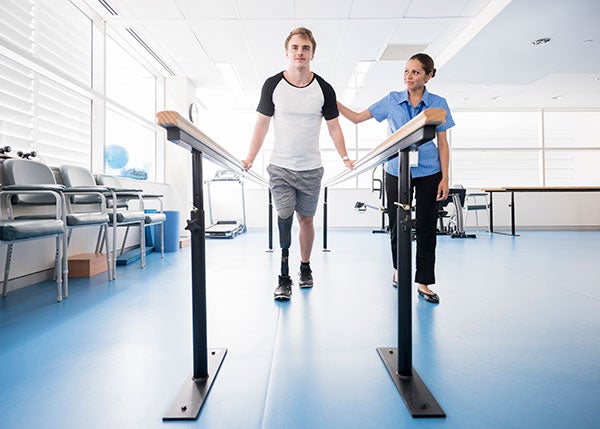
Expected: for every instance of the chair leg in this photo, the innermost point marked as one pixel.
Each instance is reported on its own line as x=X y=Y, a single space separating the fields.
x=65 y=264
x=7 y=269
x=114 y=249
x=143 y=243
x=60 y=253
x=162 y=240
x=124 y=240
x=104 y=231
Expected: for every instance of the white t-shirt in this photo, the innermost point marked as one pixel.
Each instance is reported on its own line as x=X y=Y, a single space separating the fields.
x=297 y=114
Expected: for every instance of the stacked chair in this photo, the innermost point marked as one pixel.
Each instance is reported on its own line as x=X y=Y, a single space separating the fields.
x=120 y=213
x=158 y=218
x=33 y=184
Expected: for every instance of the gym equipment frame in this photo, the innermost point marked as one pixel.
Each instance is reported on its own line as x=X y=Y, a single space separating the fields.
x=225 y=228
x=398 y=360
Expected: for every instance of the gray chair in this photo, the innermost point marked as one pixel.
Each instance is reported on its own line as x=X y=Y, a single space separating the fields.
x=16 y=230
x=117 y=202
x=477 y=201
x=26 y=172
x=158 y=218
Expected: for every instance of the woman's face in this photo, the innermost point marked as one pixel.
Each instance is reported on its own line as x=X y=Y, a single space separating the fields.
x=414 y=75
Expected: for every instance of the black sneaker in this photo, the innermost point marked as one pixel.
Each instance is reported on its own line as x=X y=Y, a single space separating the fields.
x=283 y=292
x=306 y=279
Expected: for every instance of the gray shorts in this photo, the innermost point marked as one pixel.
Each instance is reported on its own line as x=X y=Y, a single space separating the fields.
x=297 y=189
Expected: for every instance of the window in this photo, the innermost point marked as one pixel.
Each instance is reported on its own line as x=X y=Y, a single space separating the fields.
x=526 y=148
x=63 y=125
x=572 y=152
x=490 y=149
x=129 y=83
x=130 y=149
x=16 y=105
x=66 y=47
x=36 y=112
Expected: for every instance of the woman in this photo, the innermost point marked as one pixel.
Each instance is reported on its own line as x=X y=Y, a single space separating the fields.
x=429 y=179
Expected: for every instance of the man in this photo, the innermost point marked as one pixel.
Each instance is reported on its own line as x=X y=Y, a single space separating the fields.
x=297 y=99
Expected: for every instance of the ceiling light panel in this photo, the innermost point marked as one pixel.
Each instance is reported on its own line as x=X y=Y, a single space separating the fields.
x=337 y=9
x=379 y=9
x=356 y=47
x=265 y=9
x=396 y=52
x=436 y=8
x=223 y=40
x=208 y=9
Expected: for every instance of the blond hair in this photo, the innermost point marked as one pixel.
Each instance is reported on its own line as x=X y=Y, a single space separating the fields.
x=303 y=32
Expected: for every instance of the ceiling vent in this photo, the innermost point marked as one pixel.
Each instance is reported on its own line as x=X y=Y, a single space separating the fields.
x=395 y=52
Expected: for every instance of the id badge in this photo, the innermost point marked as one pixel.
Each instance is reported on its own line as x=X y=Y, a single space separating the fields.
x=413 y=158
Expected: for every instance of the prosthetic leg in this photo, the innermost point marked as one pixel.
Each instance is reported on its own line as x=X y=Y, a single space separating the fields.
x=284 y=224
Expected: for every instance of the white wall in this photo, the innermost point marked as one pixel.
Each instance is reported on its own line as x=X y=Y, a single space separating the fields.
x=565 y=210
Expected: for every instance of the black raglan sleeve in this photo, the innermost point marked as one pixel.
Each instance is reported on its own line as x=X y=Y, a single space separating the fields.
x=266 y=105
x=330 y=110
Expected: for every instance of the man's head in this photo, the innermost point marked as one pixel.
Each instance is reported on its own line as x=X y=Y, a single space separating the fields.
x=304 y=33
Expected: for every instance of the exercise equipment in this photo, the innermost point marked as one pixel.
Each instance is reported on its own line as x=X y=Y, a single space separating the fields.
x=26 y=155
x=377 y=185
x=225 y=228
x=456 y=223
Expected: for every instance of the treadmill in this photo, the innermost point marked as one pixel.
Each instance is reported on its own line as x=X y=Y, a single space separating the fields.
x=225 y=228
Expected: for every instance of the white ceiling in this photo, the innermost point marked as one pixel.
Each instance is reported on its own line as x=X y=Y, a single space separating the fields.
x=482 y=48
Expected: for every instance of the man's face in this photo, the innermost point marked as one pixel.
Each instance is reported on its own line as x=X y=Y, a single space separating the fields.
x=299 y=51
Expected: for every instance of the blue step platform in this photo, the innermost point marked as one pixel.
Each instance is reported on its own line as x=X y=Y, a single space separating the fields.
x=132 y=255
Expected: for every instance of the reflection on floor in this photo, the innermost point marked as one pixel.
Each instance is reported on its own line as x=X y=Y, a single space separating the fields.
x=514 y=343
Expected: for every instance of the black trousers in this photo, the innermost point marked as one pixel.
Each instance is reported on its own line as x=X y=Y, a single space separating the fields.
x=425 y=191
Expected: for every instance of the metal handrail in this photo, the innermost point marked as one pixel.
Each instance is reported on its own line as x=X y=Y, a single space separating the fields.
x=188 y=136
x=398 y=141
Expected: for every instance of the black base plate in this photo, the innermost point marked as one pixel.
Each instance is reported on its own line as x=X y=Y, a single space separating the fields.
x=418 y=399
x=191 y=395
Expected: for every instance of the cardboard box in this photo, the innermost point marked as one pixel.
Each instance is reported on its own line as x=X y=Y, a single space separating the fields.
x=184 y=242
x=87 y=264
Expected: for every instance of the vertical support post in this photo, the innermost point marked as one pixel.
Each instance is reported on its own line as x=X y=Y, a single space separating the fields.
x=403 y=262
x=512 y=212
x=398 y=361
x=491 y=219
x=195 y=388
x=199 y=335
x=325 y=218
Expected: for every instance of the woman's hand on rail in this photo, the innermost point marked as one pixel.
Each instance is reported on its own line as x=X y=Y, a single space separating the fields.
x=349 y=163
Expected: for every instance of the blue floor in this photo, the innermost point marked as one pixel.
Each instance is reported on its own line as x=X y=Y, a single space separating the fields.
x=514 y=343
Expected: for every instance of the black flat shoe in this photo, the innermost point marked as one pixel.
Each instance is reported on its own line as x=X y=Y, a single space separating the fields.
x=394 y=282
x=433 y=298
